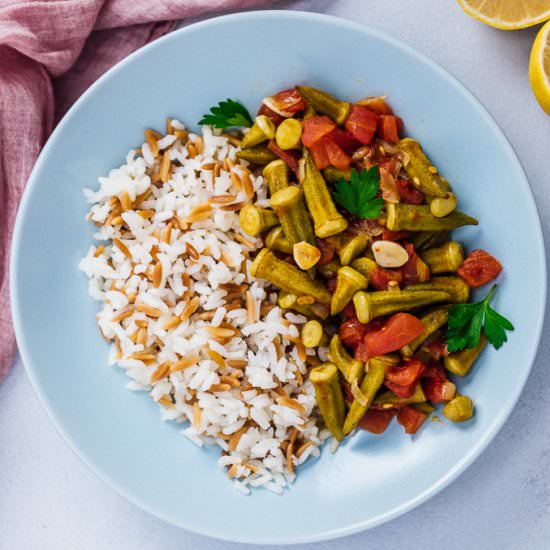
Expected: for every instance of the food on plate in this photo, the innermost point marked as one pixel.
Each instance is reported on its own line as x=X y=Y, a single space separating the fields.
x=275 y=281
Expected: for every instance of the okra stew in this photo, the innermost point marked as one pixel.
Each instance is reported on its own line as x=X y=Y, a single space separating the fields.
x=357 y=239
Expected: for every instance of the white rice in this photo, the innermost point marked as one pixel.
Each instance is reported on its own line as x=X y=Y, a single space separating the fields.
x=255 y=408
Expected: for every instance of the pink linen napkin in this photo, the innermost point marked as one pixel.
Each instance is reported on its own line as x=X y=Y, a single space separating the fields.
x=50 y=52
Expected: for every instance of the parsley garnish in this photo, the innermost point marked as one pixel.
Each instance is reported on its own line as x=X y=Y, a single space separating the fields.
x=466 y=320
x=226 y=114
x=358 y=195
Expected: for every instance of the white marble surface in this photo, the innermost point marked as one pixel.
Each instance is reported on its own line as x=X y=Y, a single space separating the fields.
x=50 y=500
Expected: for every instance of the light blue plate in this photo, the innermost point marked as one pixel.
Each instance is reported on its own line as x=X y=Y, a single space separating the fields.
x=118 y=433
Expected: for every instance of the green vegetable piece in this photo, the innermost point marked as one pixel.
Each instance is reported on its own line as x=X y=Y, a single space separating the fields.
x=351 y=246
x=425 y=240
x=461 y=362
x=326 y=219
x=433 y=320
x=372 y=381
x=315 y=311
x=348 y=282
x=466 y=321
x=365 y=266
x=358 y=195
x=325 y=103
x=276 y=240
x=276 y=176
x=443 y=206
x=388 y=399
x=426 y=407
x=351 y=368
x=411 y=217
x=423 y=174
x=287 y=277
x=262 y=130
x=445 y=259
x=312 y=334
x=259 y=155
x=455 y=286
x=226 y=114
x=330 y=400
x=334 y=175
x=459 y=409
x=369 y=305
x=329 y=270
x=289 y=134
x=254 y=219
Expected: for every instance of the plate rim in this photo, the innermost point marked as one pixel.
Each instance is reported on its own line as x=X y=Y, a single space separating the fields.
x=486 y=437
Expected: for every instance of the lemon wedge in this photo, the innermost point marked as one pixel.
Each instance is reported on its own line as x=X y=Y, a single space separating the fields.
x=539 y=67
x=508 y=14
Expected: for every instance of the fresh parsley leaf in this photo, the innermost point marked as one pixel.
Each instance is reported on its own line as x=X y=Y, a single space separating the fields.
x=358 y=195
x=226 y=114
x=467 y=320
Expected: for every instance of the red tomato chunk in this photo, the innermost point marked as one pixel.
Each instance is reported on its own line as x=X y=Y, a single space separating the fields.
x=290 y=101
x=336 y=155
x=376 y=421
x=276 y=118
x=399 y=330
x=408 y=193
x=362 y=124
x=290 y=157
x=479 y=268
x=411 y=419
x=388 y=128
x=315 y=128
x=415 y=270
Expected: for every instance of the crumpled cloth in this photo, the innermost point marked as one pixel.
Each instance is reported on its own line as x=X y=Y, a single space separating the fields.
x=50 y=52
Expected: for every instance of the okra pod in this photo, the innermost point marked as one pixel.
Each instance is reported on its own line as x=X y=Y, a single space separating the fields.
x=459 y=409
x=424 y=240
x=259 y=155
x=460 y=362
x=330 y=269
x=443 y=206
x=369 y=305
x=276 y=176
x=372 y=381
x=289 y=134
x=312 y=334
x=423 y=174
x=388 y=399
x=351 y=368
x=254 y=219
x=289 y=205
x=316 y=311
x=276 y=240
x=326 y=218
x=288 y=277
x=262 y=130
x=412 y=217
x=334 y=175
x=328 y=394
x=325 y=104
x=456 y=287
x=365 y=266
x=348 y=282
x=433 y=320
x=447 y=258
x=350 y=247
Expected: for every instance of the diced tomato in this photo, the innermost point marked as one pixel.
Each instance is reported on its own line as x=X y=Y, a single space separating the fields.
x=315 y=128
x=399 y=330
x=401 y=391
x=349 y=311
x=376 y=421
x=411 y=419
x=336 y=155
x=344 y=140
x=415 y=270
x=291 y=157
x=376 y=104
x=479 y=268
x=331 y=283
x=405 y=374
x=327 y=251
x=352 y=332
x=362 y=124
x=388 y=235
x=320 y=156
x=408 y=193
x=434 y=369
x=290 y=101
x=276 y=118
x=433 y=389
x=438 y=349
x=381 y=278
x=361 y=353
x=388 y=128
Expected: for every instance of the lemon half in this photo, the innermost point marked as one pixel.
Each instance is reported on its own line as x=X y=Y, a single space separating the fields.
x=508 y=14
x=539 y=67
